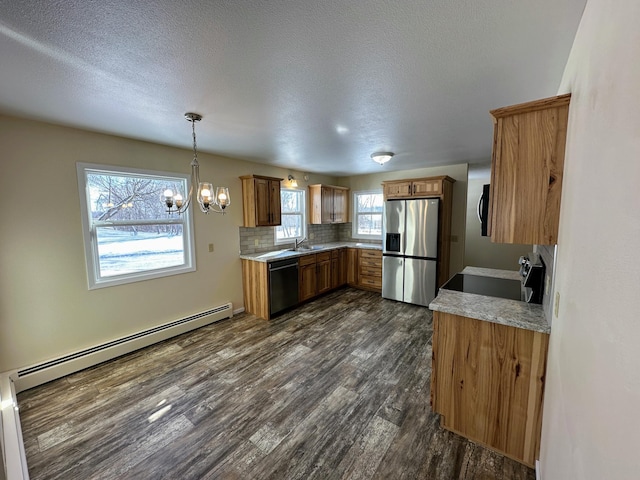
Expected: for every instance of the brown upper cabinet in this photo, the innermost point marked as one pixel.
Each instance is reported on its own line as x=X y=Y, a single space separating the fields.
x=418 y=187
x=328 y=204
x=526 y=171
x=260 y=201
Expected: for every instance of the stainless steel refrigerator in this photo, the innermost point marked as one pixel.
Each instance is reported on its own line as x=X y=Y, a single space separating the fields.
x=410 y=250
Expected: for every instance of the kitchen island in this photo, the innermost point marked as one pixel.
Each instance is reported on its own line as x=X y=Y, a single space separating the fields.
x=488 y=368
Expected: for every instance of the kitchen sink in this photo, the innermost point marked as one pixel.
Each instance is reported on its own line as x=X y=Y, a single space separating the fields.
x=308 y=249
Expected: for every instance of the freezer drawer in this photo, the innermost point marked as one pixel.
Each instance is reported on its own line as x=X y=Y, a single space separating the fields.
x=419 y=281
x=392 y=277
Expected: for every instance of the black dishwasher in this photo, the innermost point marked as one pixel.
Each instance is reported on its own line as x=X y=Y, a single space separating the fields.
x=283 y=285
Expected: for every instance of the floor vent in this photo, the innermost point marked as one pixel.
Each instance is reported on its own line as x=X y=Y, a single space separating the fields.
x=59 y=367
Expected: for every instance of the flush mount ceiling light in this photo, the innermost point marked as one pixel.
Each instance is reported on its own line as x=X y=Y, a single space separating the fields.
x=205 y=197
x=381 y=157
x=292 y=181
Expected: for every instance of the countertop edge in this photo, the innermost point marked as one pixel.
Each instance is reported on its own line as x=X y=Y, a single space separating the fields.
x=511 y=313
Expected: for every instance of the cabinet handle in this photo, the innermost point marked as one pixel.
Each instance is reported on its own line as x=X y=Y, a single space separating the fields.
x=414 y=189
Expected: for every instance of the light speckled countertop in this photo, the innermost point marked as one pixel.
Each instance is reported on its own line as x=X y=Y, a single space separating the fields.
x=286 y=253
x=512 y=313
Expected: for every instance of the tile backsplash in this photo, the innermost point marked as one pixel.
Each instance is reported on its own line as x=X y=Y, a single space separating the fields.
x=261 y=239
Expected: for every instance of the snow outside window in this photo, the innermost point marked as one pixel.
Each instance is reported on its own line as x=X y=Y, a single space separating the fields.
x=367 y=215
x=294 y=220
x=128 y=234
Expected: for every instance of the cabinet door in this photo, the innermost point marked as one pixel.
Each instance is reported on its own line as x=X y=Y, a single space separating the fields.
x=307 y=281
x=335 y=272
x=340 y=205
x=327 y=205
x=352 y=266
x=526 y=171
x=426 y=188
x=324 y=276
x=397 y=190
x=342 y=266
x=274 y=202
x=263 y=201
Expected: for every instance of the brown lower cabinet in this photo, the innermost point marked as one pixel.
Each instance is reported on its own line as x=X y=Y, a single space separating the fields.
x=317 y=273
x=487 y=382
x=364 y=269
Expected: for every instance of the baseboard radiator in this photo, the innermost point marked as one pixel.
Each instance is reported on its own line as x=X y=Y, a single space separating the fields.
x=74 y=362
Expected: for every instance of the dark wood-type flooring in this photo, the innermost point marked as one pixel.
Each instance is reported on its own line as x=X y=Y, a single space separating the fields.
x=335 y=389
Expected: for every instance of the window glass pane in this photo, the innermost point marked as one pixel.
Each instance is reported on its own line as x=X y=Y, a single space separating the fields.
x=134 y=249
x=127 y=197
x=370 y=202
x=291 y=227
x=291 y=201
x=370 y=224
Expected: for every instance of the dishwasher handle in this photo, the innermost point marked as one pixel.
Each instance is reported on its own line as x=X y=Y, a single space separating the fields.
x=275 y=266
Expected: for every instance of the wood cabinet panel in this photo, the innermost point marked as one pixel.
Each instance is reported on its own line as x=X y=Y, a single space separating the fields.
x=488 y=381
x=260 y=201
x=526 y=172
x=255 y=288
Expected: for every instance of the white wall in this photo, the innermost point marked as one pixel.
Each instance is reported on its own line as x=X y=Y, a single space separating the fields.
x=46 y=309
x=591 y=424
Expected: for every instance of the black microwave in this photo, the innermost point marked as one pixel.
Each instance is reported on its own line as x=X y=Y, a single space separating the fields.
x=483 y=209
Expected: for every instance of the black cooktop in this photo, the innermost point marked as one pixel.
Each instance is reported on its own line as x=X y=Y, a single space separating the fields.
x=489 y=286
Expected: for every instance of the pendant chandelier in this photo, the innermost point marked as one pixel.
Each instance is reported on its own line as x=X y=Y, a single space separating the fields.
x=207 y=201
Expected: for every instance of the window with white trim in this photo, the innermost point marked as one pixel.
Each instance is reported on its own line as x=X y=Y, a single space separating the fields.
x=367 y=214
x=293 y=214
x=128 y=234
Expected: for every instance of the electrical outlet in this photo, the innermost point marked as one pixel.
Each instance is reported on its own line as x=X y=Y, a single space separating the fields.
x=556 y=305
x=312 y=236
x=211 y=247
x=256 y=242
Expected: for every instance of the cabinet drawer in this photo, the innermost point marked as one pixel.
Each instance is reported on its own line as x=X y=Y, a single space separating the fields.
x=307 y=260
x=369 y=281
x=323 y=257
x=371 y=271
x=371 y=254
x=336 y=253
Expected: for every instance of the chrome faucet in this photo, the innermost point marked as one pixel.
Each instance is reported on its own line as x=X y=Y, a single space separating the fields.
x=298 y=243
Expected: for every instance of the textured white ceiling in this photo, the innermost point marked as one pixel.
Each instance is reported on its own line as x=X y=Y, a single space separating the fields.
x=312 y=85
